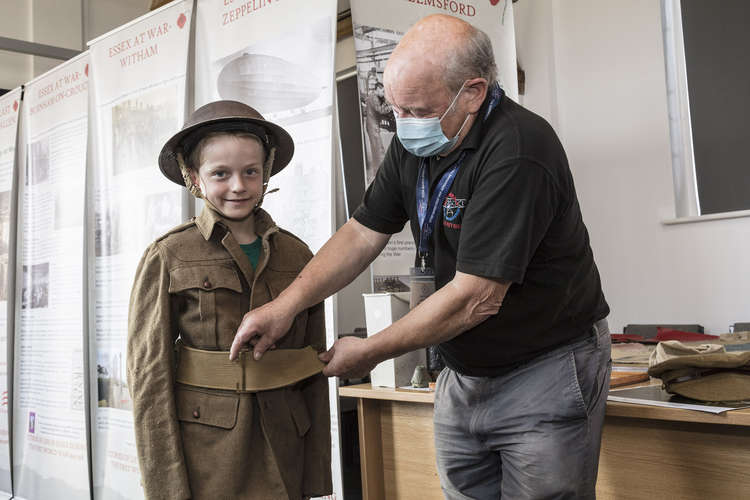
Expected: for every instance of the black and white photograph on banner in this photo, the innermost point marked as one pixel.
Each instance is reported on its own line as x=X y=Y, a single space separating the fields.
x=373 y=47
x=111 y=381
x=35 y=291
x=278 y=76
x=162 y=209
x=140 y=125
x=393 y=283
x=107 y=232
x=271 y=83
x=37 y=170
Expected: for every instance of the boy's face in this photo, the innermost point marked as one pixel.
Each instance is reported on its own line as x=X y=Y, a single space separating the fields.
x=231 y=174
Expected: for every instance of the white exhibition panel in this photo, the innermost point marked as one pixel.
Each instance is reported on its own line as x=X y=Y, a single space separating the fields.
x=50 y=445
x=10 y=107
x=138 y=102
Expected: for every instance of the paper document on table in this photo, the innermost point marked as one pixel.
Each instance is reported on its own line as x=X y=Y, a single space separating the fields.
x=418 y=389
x=654 y=395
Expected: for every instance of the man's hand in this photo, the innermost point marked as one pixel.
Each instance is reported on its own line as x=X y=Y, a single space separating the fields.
x=261 y=328
x=348 y=357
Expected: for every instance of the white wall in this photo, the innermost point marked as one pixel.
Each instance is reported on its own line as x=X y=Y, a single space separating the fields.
x=15 y=22
x=595 y=69
x=58 y=23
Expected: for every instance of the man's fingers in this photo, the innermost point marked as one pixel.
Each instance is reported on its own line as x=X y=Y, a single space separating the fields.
x=240 y=339
x=246 y=333
x=326 y=356
x=235 y=349
x=261 y=347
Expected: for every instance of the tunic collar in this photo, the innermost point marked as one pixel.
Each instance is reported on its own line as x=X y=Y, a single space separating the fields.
x=209 y=219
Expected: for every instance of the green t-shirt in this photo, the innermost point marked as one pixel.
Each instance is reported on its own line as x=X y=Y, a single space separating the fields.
x=252 y=250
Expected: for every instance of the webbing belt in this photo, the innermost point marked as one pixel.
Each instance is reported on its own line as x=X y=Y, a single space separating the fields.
x=278 y=368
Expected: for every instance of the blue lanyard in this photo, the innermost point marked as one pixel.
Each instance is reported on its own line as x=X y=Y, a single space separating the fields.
x=427 y=213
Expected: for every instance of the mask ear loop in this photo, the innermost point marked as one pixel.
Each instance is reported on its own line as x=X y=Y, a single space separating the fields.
x=455 y=99
x=453 y=102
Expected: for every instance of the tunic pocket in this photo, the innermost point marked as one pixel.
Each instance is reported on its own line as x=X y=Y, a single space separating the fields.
x=298 y=408
x=210 y=291
x=206 y=408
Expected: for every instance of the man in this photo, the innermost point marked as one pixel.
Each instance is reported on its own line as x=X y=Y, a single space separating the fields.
x=518 y=313
x=375 y=108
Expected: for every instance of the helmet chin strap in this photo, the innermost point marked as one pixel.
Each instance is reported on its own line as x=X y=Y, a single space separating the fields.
x=196 y=190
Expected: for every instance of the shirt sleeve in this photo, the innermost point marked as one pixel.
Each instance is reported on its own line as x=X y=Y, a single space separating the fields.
x=150 y=362
x=383 y=208
x=509 y=213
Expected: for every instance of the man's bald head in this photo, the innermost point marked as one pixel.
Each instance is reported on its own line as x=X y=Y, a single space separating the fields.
x=443 y=47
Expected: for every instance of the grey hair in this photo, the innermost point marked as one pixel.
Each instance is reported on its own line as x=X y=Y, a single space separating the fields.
x=473 y=59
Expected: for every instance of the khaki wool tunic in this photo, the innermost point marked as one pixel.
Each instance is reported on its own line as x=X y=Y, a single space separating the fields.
x=196 y=283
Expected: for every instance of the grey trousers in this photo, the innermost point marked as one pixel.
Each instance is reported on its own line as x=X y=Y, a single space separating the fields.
x=533 y=433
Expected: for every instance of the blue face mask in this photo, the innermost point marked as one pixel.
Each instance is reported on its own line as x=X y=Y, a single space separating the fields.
x=424 y=136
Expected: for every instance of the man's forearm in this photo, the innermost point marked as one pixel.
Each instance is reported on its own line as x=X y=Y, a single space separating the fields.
x=341 y=259
x=460 y=305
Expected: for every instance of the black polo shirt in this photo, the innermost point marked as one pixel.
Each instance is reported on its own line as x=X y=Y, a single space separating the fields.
x=511 y=214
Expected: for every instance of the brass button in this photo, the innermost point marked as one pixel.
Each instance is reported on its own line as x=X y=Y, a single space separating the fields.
x=206 y=283
x=197 y=413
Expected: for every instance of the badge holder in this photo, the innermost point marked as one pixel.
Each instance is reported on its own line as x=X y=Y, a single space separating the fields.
x=422 y=285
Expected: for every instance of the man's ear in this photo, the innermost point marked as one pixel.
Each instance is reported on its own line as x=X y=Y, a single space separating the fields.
x=476 y=88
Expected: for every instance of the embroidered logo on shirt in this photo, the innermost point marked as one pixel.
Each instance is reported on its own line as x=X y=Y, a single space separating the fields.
x=452 y=207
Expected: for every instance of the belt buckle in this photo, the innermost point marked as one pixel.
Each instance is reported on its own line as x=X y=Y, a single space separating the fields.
x=241 y=360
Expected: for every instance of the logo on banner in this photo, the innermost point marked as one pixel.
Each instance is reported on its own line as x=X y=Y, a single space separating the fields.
x=181 y=20
x=452 y=207
x=494 y=2
x=15 y=105
x=86 y=70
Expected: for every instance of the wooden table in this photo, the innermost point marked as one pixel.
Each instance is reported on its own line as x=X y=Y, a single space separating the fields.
x=648 y=452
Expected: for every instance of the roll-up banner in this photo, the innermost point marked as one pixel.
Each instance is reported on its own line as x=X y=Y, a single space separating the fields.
x=138 y=101
x=378 y=27
x=278 y=57
x=50 y=444
x=10 y=107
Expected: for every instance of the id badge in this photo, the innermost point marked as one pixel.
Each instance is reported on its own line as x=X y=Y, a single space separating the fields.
x=422 y=285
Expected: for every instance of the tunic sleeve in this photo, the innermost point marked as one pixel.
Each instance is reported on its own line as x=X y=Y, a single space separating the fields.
x=317 y=474
x=150 y=362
